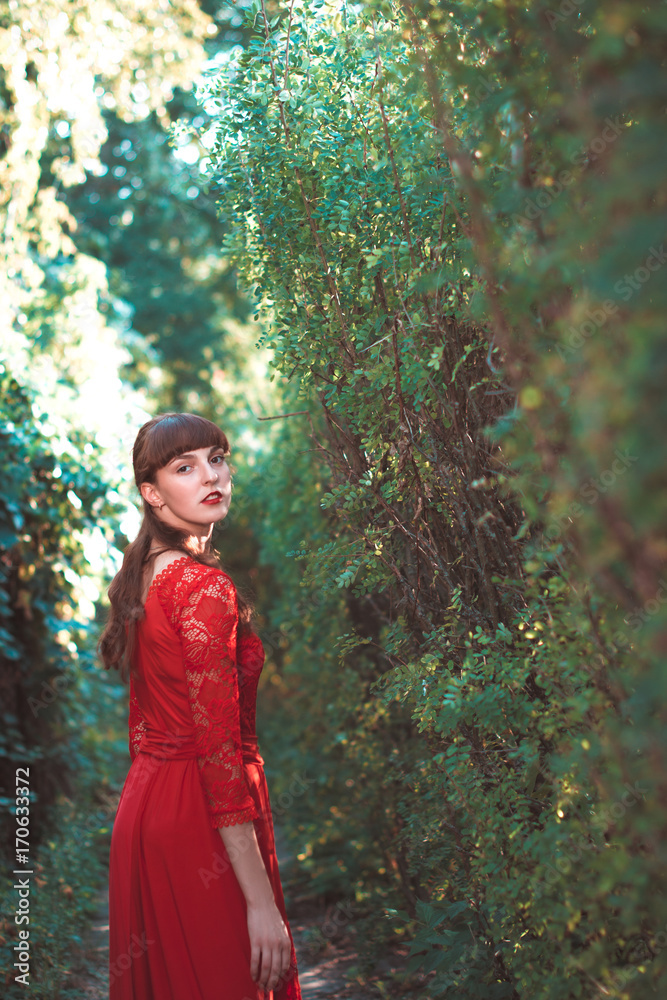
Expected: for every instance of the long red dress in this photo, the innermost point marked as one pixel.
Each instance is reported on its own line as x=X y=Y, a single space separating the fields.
x=177 y=915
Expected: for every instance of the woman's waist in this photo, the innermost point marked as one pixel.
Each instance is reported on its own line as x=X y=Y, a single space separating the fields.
x=168 y=744
x=182 y=745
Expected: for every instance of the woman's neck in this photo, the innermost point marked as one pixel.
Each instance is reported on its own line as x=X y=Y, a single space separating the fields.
x=197 y=545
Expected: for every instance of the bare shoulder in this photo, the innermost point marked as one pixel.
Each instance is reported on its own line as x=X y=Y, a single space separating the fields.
x=159 y=565
x=165 y=559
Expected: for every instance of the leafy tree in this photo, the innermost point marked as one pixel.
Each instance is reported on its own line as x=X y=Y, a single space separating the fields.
x=429 y=199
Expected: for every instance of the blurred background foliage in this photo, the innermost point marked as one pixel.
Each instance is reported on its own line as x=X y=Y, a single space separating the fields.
x=427 y=240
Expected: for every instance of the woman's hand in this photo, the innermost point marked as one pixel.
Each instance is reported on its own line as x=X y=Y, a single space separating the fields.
x=270 y=945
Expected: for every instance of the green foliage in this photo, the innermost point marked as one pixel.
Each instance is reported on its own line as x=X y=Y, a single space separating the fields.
x=49 y=501
x=452 y=217
x=66 y=422
x=61 y=351
x=147 y=219
x=486 y=438
x=68 y=867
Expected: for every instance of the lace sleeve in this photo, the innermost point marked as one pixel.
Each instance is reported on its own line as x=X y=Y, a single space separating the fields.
x=207 y=625
x=137 y=726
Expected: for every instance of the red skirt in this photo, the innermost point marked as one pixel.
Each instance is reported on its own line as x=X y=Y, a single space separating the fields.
x=177 y=915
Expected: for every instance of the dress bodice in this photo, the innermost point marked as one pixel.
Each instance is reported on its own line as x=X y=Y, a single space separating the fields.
x=193 y=686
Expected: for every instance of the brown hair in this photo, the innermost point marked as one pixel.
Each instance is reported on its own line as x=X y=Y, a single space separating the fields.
x=158 y=442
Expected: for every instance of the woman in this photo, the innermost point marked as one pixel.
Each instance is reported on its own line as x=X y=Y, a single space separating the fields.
x=196 y=909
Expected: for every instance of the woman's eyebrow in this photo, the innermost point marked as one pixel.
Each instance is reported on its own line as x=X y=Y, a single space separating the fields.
x=189 y=454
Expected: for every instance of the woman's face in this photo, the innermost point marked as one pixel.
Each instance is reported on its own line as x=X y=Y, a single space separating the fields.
x=193 y=491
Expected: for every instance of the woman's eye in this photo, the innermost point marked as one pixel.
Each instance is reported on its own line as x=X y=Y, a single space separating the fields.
x=218 y=458
x=183 y=468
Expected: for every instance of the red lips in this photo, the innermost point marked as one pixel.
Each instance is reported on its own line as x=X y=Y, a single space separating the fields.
x=212 y=498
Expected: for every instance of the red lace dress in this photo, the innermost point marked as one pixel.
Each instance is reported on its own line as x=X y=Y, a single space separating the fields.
x=177 y=915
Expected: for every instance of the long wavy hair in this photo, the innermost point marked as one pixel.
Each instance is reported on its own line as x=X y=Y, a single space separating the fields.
x=158 y=442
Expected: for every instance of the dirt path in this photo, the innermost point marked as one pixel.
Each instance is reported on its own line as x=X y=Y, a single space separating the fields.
x=90 y=977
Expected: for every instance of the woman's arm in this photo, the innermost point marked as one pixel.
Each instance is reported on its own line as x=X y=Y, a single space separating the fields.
x=269 y=941
x=205 y=618
x=205 y=615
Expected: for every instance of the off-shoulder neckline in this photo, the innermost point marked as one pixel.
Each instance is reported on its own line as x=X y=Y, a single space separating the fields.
x=168 y=569
x=166 y=572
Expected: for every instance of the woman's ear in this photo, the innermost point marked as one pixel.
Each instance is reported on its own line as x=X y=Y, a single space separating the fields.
x=150 y=495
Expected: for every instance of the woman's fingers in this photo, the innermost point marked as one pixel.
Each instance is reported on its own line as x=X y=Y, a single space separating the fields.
x=285 y=958
x=281 y=967
x=265 y=971
x=255 y=958
x=280 y=964
x=275 y=963
x=271 y=947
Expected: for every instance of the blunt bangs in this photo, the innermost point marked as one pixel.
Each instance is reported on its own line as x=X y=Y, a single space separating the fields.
x=176 y=433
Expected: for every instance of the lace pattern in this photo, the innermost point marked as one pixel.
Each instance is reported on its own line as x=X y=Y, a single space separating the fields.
x=137 y=726
x=201 y=605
